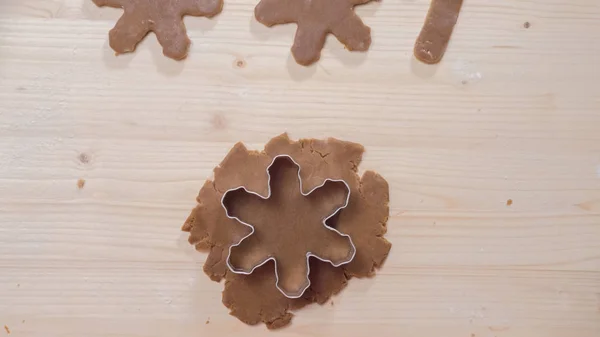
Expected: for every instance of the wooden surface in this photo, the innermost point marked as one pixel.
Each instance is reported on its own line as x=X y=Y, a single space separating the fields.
x=512 y=113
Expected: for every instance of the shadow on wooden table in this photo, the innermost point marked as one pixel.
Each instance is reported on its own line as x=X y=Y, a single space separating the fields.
x=164 y=65
x=298 y=72
x=421 y=69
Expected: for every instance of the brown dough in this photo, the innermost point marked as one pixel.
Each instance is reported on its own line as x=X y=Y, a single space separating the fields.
x=210 y=229
x=253 y=298
x=325 y=281
x=288 y=226
x=366 y=216
x=437 y=29
x=316 y=19
x=248 y=295
x=365 y=221
x=164 y=18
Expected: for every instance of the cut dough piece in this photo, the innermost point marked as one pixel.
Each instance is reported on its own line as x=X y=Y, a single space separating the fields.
x=316 y=19
x=437 y=29
x=164 y=18
x=289 y=227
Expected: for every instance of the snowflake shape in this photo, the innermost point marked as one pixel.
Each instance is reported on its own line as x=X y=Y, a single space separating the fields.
x=164 y=18
x=288 y=226
x=316 y=19
x=254 y=298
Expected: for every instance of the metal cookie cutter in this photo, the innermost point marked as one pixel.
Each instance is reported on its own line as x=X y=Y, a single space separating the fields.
x=309 y=254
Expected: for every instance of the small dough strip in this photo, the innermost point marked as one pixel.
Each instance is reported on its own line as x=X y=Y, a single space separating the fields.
x=435 y=34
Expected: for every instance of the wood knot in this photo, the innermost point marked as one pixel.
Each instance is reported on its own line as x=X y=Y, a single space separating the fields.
x=84 y=158
x=219 y=122
x=240 y=63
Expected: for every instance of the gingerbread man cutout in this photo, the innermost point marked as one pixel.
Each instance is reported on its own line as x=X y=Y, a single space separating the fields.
x=163 y=17
x=316 y=19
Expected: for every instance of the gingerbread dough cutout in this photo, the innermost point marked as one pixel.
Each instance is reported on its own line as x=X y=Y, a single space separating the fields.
x=288 y=226
x=163 y=17
x=254 y=298
x=437 y=29
x=316 y=19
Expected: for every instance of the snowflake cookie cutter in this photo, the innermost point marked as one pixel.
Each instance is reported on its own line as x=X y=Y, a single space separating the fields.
x=309 y=254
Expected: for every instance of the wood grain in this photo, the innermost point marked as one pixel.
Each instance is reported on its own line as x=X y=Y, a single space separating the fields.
x=510 y=113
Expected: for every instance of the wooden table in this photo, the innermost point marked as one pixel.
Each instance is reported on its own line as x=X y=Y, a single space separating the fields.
x=511 y=115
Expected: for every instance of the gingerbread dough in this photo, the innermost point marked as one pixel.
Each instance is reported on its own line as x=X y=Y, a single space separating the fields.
x=316 y=19
x=435 y=34
x=254 y=298
x=289 y=227
x=164 y=18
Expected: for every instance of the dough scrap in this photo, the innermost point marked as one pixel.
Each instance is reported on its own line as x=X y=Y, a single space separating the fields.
x=211 y=230
x=289 y=226
x=365 y=221
x=254 y=298
x=316 y=19
x=164 y=18
x=437 y=30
